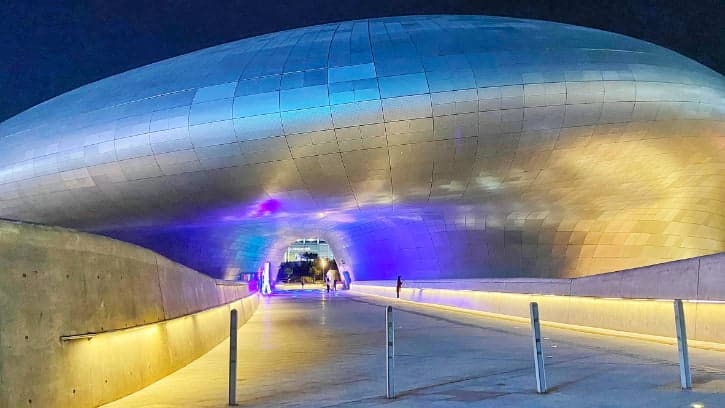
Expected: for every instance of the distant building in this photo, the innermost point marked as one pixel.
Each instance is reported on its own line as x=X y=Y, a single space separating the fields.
x=314 y=245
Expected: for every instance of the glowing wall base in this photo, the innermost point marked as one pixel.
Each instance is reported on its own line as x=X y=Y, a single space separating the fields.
x=635 y=316
x=138 y=357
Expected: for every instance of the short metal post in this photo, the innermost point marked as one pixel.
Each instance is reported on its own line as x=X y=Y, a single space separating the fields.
x=685 y=375
x=233 y=358
x=538 y=353
x=389 y=353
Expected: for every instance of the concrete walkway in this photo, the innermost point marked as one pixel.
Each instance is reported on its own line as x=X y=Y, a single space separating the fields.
x=310 y=349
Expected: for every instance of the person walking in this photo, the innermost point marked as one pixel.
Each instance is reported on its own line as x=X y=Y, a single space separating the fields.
x=398 y=285
x=331 y=280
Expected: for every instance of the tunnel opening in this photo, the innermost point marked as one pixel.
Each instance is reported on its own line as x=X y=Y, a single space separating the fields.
x=309 y=261
x=297 y=249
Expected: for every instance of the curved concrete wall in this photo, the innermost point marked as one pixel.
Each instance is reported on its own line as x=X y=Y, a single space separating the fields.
x=634 y=301
x=701 y=278
x=146 y=315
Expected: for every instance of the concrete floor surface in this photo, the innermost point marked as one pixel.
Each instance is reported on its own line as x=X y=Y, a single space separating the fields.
x=313 y=349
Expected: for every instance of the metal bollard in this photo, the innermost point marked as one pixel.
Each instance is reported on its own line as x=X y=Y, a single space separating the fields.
x=538 y=354
x=685 y=375
x=233 y=358
x=389 y=353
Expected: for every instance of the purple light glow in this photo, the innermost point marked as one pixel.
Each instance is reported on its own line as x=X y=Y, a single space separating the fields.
x=375 y=242
x=266 y=208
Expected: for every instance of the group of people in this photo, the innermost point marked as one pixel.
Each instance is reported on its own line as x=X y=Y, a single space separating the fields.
x=331 y=279
x=333 y=276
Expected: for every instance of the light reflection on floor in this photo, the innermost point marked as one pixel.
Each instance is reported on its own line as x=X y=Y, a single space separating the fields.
x=308 y=348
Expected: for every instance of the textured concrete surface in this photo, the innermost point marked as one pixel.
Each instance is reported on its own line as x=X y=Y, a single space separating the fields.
x=57 y=282
x=699 y=278
x=309 y=349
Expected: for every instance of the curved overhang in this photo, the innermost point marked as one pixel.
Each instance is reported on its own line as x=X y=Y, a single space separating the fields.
x=434 y=146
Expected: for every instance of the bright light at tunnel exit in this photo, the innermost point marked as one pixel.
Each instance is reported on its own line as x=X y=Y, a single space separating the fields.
x=300 y=248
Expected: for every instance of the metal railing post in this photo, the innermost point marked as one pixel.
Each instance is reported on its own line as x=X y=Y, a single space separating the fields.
x=685 y=375
x=233 y=358
x=389 y=353
x=538 y=353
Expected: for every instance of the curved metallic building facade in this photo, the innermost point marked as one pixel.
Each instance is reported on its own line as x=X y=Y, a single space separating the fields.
x=428 y=146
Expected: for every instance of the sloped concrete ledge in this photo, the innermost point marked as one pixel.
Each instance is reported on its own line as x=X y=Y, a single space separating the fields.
x=701 y=278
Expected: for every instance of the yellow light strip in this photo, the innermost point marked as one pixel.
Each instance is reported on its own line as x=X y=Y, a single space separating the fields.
x=705 y=345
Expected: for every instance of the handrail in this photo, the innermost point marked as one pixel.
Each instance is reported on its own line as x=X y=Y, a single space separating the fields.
x=90 y=335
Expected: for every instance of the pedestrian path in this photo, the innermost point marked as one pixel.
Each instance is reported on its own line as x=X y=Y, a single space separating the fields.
x=313 y=349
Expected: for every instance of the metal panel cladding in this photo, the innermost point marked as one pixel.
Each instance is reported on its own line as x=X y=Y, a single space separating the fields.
x=428 y=146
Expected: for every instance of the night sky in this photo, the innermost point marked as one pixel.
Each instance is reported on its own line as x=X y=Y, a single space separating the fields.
x=50 y=47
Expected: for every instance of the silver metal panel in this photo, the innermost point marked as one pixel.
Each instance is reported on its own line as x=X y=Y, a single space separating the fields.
x=306 y=120
x=170 y=140
x=214 y=92
x=213 y=111
x=303 y=97
x=214 y=133
x=258 y=127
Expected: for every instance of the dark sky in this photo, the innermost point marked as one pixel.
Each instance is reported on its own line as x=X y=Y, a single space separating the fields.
x=52 y=46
